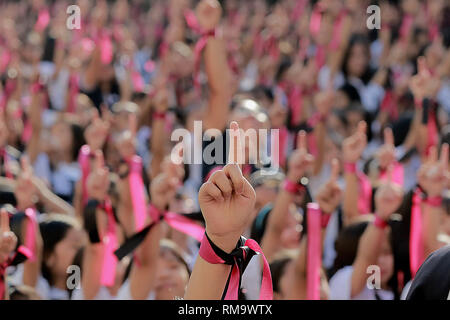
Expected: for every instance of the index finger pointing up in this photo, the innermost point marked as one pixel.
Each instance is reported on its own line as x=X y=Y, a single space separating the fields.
x=301 y=141
x=132 y=124
x=334 y=170
x=235 y=154
x=4 y=221
x=388 y=137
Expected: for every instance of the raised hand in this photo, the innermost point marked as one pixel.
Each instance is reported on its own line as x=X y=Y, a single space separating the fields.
x=386 y=154
x=227 y=200
x=163 y=188
x=300 y=160
x=8 y=239
x=126 y=143
x=98 y=182
x=329 y=196
x=388 y=197
x=208 y=14
x=353 y=146
x=433 y=175
x=25 y=190
x=424 y=84
x=97 y=132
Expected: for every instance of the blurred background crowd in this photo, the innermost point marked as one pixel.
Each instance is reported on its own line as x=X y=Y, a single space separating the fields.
x=372 y=105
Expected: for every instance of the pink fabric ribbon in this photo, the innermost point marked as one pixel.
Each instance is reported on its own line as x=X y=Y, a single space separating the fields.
x=314 y=252
x=209 y=255
x=365 y=193
x=137 y=191
x=406 y=27
x=193 y=24
x=30 y=233
x=416 y=246
x=178 y=222
x=106 y=47
x=110 y=241
x=42 y=20
x=397 y=174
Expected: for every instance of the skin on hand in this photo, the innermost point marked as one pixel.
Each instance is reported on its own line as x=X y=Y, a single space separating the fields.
x=329 y=196
x=353 y=146
x=388 y=197
x=8 y=239
x=300 y=160
x=227 y=201
x=433 y=175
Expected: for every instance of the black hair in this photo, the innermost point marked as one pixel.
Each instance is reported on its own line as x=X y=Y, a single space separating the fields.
x=277 y=269
x=357 y=39
x=53 y=231
x=351 y=92
x=77 y=140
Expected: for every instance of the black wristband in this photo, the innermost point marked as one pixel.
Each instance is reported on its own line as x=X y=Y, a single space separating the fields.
x=90 y=220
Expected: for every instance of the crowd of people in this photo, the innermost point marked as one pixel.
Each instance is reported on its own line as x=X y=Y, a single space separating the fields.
x=93 y=205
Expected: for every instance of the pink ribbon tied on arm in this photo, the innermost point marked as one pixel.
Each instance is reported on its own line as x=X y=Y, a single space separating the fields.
x=238 y=259
x=193 y=24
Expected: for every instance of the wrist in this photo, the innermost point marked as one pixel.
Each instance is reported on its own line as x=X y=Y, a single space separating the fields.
x=226 y=243
x=350 y=167
x=379 y=222
x=324 y=219
x=292 y=187
x=434 y=201
x=159 y=115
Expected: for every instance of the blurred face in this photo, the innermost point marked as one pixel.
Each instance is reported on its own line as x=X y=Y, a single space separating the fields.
x=285 y=281
x=64 y=253
x=171 y=277
x=264 y=195
x=290 y=236
x=61 y=137
x=386 y=261
x=353 y=119
x=358 y=60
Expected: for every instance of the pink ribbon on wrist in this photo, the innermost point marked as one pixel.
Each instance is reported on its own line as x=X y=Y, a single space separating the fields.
x=238 y=259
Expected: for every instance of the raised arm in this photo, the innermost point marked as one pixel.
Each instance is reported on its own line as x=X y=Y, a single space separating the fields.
x=299 y=162
x=352 y=150
x=226 y=201
x=328 y=198
x=387 y=200
x=433 y=177
x=97 y=188
x=215 y=58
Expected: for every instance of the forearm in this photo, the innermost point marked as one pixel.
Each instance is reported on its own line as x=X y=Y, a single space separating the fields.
x=276 y=223
x=143 y=274
x=157 y=143
x=431 y=221
x=92 y=269
x=369 y=249
x=351 y=194
x=200 y=286
x=219 y=83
